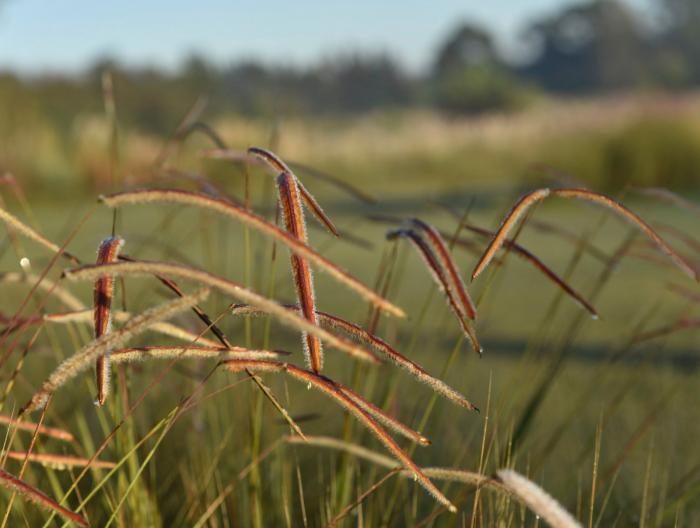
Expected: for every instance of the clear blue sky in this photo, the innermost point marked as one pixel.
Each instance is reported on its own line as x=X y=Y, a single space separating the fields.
x=60 y=35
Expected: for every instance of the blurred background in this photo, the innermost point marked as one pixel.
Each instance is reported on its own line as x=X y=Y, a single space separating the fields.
x=433 y=109
x=602 y=90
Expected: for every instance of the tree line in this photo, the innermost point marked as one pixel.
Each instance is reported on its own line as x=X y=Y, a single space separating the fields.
x=589 y=47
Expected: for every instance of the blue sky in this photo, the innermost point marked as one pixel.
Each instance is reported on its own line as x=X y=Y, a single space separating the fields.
x=56 y=35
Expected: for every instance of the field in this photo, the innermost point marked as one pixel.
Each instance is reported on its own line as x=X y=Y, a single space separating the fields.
x=602 y=414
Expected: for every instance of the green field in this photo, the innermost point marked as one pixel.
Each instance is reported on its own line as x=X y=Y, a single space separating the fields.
x=607 y=425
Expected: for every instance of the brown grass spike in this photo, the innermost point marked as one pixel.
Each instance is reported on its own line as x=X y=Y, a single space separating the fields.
x=443 y=253
x=616 y=206
x=279 y=166
x=294 y=222
x=104 y=289
x=331 y=389
x=435 y=267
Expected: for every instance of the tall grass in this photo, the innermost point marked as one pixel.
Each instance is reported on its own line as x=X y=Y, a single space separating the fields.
x=177 y=441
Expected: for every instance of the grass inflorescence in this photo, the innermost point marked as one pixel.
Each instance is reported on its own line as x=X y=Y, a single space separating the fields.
x=232 y=460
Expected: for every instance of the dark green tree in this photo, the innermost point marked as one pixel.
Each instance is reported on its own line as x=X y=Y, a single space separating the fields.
x=469 y=76
x=597 y=45
x=677 y=48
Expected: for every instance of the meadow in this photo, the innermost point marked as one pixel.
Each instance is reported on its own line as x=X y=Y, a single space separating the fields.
x=601 y=413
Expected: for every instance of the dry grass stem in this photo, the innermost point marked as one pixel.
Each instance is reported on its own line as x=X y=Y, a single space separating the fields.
x=670 y=196
x=684 y=292
x=435 y=473
x=104 y=291
x=508 y=222
x=31 y=234
x=537 y=500
x=252 y=220
x=512 y=246
x=528 y=256
x=90 y=272
x=59 y=462
x=526 y=201
x=32 y=494
x=331 y=389
x=126 y=355
x=279 y=167
x=172 y=286
x=77 y=363
x=245 y=157
x=52 y=432
x=162 y=327
x=378 y=344
x=633 y=218
x=382 y=417
x=681 y=324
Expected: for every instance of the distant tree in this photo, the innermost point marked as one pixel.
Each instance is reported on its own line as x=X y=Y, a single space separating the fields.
x=592 y=46
x=678 y=42
x=357 y=82
x=469 y=46
x=469 y=76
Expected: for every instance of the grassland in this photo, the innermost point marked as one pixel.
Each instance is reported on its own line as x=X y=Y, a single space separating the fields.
x=607 y=426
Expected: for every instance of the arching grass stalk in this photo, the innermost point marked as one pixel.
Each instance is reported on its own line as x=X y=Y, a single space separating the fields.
x=247 y=217
x=75 y=364
x=535 y=196
x=334 y=391
x=226 y=286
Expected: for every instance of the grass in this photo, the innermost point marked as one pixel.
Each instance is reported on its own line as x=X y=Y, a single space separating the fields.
x=602 y=420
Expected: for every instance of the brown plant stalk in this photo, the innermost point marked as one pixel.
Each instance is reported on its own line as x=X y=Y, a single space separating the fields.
x=511 y=245
x=332 y=390
x=51 y=432
x=91 y=272
x=289 y=189
x=378 y=344
x=39 y=498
